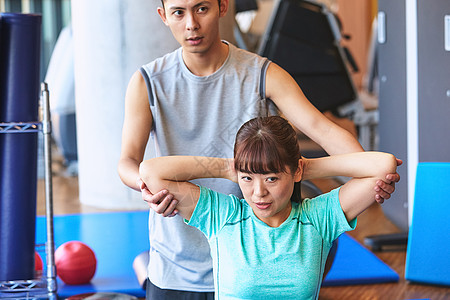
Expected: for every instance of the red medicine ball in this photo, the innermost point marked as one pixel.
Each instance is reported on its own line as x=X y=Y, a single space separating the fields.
x=75 y=263
x=38 y=264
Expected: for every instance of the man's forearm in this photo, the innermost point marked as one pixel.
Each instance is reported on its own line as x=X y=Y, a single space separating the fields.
x=128 y=170
x=340 y=141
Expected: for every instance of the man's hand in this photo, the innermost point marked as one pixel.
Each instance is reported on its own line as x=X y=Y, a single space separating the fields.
x=385 y=188
x=162 y=202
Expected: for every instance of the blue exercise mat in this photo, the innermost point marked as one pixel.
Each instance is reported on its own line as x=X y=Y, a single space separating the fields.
x=354 y=264
x=118 y=237
x=427 y=255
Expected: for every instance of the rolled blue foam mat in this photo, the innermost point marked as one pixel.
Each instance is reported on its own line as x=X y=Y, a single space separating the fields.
x=20 y=40
x=427 y=255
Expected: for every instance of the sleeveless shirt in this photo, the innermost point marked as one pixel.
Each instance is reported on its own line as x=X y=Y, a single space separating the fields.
x=195 y=115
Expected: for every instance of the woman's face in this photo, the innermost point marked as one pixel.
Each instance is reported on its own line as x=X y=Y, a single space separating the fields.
x=269 y=195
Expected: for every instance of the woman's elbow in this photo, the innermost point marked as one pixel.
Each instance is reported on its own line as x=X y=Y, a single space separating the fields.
x=146 y=169
x=388 y=165
x=143 y=168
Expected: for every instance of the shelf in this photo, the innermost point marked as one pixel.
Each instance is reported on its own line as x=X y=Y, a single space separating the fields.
x=21 y=127
x=45 y=286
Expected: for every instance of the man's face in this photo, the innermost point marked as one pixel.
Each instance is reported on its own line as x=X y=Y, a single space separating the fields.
x=194 y=23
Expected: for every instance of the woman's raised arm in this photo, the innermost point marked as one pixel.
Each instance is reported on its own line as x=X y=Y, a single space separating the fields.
x=172 y=173
x=364 y=167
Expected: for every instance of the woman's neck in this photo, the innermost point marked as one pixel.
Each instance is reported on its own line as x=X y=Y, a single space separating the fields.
x=279 y=218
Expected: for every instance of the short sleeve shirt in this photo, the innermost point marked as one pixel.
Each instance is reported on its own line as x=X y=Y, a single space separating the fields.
x=252 y=260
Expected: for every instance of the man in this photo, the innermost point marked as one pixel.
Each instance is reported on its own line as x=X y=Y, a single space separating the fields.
x=193 y=101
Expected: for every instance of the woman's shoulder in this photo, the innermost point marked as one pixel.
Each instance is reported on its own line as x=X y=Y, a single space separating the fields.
x=228 y=208
x=319 y=204
x=208 y=192
x=333 y=194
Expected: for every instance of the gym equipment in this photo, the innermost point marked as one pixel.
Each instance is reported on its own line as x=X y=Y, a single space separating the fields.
x=19 y=95
x=354 y=264
x=20 y=41
x=42 y=287
x=38 y=264
x=75 y=262
x=303 y=37
x=413 y=105
x=116 y=238
x=427 y=258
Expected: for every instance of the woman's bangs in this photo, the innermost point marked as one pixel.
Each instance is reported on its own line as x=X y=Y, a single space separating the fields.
x=259 y=158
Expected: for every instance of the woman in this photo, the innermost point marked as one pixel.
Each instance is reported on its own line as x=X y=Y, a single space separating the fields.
x=269 y=244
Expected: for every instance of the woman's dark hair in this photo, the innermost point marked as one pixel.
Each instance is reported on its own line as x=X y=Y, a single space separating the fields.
x=267 y=145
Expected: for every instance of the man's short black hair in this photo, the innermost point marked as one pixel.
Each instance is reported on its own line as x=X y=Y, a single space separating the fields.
x=162 y=2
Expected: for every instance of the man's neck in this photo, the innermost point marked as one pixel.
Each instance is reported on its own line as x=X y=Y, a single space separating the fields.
x=204 y=64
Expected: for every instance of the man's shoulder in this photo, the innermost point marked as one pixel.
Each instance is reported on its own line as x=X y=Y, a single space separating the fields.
x=163 y=63
x=242 y=54
x=246 y=62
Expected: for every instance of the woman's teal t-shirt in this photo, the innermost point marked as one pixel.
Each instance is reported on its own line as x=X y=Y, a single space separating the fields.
x=252 y=260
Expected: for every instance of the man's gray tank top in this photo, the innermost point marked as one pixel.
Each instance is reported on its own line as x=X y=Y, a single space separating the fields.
x=195 y=115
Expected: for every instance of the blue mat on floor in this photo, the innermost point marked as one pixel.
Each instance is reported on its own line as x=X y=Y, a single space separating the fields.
x=118 y=237
x=354 y=264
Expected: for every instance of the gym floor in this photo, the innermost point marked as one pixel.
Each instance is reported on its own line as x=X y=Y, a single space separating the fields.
x=371 y=222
